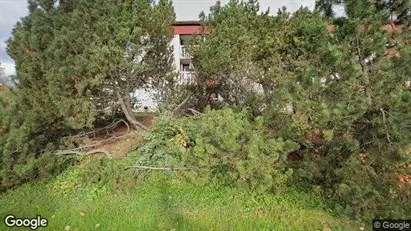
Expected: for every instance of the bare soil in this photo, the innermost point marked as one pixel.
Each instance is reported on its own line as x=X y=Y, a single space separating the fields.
x=121 y=146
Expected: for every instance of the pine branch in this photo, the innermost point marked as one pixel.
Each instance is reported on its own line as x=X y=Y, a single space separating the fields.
x=181 y=104
x=385 y=124
x=195 y=112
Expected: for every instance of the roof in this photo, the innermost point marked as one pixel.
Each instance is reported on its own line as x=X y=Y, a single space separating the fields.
x=178 y=23
x=187 y=27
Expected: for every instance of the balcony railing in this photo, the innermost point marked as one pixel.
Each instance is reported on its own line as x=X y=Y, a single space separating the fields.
x=186 y=77
x=184 y=54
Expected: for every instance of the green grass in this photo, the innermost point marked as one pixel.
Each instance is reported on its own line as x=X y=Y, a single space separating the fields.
x=163 y=203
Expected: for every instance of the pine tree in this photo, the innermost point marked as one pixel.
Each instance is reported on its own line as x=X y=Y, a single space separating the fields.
x=92 y=50
x=74 y=58
x=3 y=77
x=347 y=91
x=394 y=11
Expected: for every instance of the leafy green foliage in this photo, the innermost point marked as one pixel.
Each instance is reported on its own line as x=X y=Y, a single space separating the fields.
x=164 y=143
x=371 y=193
x=26 y=144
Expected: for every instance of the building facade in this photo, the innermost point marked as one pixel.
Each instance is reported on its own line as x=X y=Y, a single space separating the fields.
x=183 y=31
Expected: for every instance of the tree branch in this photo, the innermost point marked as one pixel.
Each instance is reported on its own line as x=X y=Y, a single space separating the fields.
x=154 y=168
x=103 y=141
x=195 y=112
x=70 y=152
x=385 y=124
x=181 y=104
x=126 y=112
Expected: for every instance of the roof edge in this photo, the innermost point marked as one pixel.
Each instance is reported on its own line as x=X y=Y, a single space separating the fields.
x=192 y=22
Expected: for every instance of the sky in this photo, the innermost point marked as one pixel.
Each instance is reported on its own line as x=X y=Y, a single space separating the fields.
x=11 y=11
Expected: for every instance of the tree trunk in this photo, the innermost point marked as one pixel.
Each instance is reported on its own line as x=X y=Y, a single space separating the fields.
x=127 y=102
x=129 y=113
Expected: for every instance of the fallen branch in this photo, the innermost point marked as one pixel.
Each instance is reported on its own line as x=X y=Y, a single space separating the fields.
x=99 y=151
x=181 y=104
x=195 y=112
x=385 y=124
x=71 y=152
x=105 y=141
x=154 y=168
x=112 y=125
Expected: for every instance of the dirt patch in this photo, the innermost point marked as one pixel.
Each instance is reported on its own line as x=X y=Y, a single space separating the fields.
x=146 y=119
x=121 y=146
x=119 y=141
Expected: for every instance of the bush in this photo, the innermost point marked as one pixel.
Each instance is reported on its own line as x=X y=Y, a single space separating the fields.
x=220 y=148
x=164 y=143
x=103 y=174
x=66 y=183
x=371 y=192
x=27 y=141
x=357 y=188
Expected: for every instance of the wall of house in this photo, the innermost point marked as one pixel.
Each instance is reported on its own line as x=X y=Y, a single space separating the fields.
x=175 y=43
x=146 y=98
x=146 y=101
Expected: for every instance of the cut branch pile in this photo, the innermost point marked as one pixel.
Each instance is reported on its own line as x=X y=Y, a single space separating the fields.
x=84 y=150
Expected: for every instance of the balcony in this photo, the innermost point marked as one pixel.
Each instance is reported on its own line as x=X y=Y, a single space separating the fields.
x=184 y=54
x=186 y=77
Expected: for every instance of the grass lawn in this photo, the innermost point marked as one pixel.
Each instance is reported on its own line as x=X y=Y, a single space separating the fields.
x=162 y=203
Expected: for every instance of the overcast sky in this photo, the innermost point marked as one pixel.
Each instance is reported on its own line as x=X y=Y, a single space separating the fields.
x=12 y=10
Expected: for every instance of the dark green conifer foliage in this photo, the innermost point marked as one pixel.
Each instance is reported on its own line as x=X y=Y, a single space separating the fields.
x=347 y=91
x=75 y=58
x=395 y=11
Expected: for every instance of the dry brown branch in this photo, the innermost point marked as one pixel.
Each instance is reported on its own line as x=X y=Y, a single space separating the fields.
x=195 y=112
x=154 y=168
x=99 y=151
x=112 y=125
x=105 y=141
x=181 y=104
x=82 y=149
x=385 y=124
x=71 y=152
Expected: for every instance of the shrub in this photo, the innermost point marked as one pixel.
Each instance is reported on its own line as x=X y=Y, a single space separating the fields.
x=220 y=148
x=164 y=142
x=66 y=183
x=102 y=174
x=360 y=188
x=371 y=192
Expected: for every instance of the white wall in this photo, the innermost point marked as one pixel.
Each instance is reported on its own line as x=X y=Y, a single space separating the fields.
x=146 y=97
x=175 y=43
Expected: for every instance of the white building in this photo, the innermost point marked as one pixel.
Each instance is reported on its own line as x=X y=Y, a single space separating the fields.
x=183 y=30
